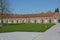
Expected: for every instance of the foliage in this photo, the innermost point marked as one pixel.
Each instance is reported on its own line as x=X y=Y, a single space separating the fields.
x=59 y=20
x=57 y=10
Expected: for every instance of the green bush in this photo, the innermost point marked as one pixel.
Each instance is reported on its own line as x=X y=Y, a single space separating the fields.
x=58 y=20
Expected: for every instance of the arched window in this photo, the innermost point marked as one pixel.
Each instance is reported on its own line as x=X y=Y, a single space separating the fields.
x=34 y=21
x=12 y=21
x=28 y=20
x=42 y=20
x=6 y=21
x=22 y=21
x=50 y=20
x=17 y=21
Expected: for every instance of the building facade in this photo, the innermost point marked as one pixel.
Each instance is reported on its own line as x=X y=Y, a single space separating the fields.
x=48 y=17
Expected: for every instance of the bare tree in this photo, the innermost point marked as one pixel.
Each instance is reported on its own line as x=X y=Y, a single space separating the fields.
x=4 y=9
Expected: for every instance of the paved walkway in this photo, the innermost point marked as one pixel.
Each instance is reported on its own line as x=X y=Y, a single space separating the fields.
x=51 y=34
x=19 y=35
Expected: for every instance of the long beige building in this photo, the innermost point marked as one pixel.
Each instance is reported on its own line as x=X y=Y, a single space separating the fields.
x=49 y=17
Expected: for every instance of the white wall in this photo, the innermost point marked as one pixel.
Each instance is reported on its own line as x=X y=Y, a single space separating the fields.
x=38 y=21
x=14 y=21
x=55 y=21
x=32 y=21
x=5 y=21
x=0 y=21
x=9 y=21
x=45 y=21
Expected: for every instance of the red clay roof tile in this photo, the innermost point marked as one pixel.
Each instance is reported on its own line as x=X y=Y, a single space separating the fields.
x=48 y=14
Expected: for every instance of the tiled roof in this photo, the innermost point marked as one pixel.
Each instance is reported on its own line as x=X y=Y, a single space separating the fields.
x=48 y=14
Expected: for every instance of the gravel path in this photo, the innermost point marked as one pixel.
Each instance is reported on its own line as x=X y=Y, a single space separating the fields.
x=51 y=34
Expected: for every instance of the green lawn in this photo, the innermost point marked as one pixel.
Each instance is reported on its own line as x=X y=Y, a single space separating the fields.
x=25 y=27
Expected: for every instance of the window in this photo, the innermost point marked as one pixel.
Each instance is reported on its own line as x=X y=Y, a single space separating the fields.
x=22 y=21
x=11 y=21
x=50 y=20
x=42 y=20
x=34 y=21
x=17 y=21
x=28 y=20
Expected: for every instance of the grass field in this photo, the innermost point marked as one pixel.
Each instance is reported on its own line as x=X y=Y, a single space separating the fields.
x=25 y=27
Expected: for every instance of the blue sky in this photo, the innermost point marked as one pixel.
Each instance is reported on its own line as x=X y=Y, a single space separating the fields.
x=33 y=6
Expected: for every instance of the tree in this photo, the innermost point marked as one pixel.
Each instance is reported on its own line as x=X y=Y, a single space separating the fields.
x=57 y=10
x=59 y=20
x=4 y=9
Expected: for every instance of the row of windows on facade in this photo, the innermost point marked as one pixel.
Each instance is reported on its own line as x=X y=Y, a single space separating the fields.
x=28 y=21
